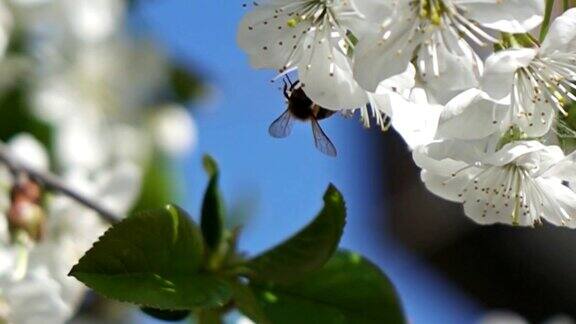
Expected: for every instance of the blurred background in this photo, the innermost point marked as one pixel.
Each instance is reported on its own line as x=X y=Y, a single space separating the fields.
x=445 y=268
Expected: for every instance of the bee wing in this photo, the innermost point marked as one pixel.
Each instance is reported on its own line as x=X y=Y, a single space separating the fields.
x=321 y=141
x=282 y=126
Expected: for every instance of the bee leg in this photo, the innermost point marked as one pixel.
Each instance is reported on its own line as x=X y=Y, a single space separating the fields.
x=295 y=84
x=289 y=81
x=285 y=90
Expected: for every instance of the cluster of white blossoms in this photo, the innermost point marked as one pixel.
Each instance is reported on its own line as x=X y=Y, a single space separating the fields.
x=485 y=132
x=39 y=243
x=97 y=89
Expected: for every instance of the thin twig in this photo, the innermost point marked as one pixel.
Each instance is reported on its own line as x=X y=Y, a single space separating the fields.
x=547 y=18
x=53 y=183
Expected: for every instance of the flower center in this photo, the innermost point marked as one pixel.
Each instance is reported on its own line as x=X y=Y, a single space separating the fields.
x=309 y=24
x=545 y=81
x=556 y=77
x=447 y=15
x=503 y=192
x=432 y=10
x=313 y=12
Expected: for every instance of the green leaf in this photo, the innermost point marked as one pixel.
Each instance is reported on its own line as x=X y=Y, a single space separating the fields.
x=349 y=289
x=153 y=259
x=157 y=184
x=209 y=317
x=309 y=249
x=166 y=315
x=248 y=304
x=210 y=165
x=212 y=220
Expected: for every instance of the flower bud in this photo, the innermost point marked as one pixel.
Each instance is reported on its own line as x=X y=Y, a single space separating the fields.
x=25 y=213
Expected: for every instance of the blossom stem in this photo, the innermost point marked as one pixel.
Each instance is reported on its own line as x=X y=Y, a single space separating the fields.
x=53 y=183
x=547 y=19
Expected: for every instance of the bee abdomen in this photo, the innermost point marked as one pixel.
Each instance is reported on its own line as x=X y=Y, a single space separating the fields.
x=322 y=113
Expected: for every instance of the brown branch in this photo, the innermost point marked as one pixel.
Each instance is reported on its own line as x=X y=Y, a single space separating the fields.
x=53 y=183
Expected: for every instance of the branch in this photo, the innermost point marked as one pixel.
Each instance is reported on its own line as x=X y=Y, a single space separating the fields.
x=53 y=183
x=547 y=18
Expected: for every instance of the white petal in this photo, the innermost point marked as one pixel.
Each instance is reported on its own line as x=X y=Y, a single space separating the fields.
x=79 y=143
x=457 y=67
x=564 y=169
x=448 y=187
x=326 y=77
x=175 y=130
x=379 y=56
x=420 y=96
x=485 y=206
x=471 y=115
x=30 y=151
x=511 y=16
x=416 y=123
x=561 y=35
x=500 y=68
x=58 y=253
x=502 y=317
x=559 y=203
x=36 y=299
x=268 y=38
x=119 y=187
x=536 y=118
x=447 y=156
x=355 y=15
x=542 y=159
x=401 y=83
x=513 y=151
x=244 y=320
x=93 y=21
x=377 y=11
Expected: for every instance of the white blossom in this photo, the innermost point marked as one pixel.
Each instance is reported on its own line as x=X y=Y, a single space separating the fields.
x=311 y=36
x=519 y=184
x=431 y=32
x=535 y=83
x=34 y=281
x=175 y=130
x=409 y=113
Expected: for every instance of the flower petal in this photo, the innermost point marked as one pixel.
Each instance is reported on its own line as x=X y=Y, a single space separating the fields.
x=511 y=16
x=559 y=202
x=513 y=151
x=561 y=35
x=326 y=77
x=500 y=68
x=485 y=206
x=379 y=56
x=471 y=115
x=30 y=151
x=268 y=38
x=444 y=157
x=416 y=123
x=447 y=187
x=536 y=118
x=564 y=169
x=457 y=64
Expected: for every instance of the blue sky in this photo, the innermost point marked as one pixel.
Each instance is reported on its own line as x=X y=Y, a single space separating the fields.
x=285 y=179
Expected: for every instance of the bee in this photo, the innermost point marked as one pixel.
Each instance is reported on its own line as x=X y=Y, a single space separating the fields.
x=302 y=108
